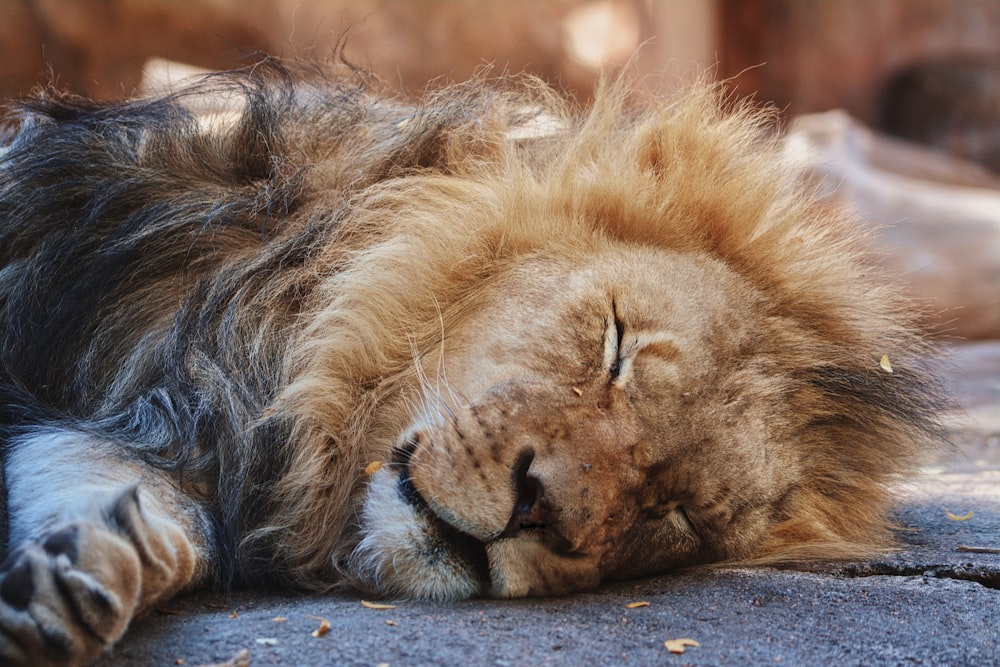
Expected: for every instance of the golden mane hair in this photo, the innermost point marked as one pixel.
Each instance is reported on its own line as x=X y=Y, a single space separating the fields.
x=268 y=285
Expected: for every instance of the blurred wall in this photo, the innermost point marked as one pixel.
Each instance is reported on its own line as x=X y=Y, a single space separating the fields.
x=98 y=47
x=815 y=55
x=925 y=70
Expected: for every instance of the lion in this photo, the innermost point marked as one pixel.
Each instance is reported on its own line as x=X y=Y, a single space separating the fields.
x=286 y=329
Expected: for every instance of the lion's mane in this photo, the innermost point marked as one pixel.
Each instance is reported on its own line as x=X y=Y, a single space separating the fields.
x=239 y=294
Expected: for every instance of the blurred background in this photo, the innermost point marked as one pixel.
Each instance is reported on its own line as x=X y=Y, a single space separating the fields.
x=892 y=104
x=922 y=69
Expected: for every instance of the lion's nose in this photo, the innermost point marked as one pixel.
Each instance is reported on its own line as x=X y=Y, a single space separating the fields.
x=529 y=507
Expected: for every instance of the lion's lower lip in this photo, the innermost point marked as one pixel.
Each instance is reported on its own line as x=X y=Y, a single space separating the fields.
x=408 y=492
x=461 y=545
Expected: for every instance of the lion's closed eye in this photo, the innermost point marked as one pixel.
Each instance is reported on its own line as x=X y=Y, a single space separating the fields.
x=614 y=345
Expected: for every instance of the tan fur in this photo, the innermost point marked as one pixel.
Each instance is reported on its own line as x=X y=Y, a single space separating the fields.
x=685 y=178
x=583 y=344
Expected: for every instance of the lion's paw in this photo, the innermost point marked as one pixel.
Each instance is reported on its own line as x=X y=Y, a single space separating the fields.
x=71 y=594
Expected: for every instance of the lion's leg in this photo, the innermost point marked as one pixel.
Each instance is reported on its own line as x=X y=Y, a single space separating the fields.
x=95 y=539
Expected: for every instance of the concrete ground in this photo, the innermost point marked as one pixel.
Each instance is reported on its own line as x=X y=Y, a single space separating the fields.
x=935 y=602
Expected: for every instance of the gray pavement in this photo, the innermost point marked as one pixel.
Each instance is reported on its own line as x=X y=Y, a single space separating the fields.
x=934 y=602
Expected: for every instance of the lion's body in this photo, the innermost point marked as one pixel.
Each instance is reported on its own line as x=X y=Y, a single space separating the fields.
x=584 y=346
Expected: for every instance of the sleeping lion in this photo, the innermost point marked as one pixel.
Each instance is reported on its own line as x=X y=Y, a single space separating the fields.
x=287 y=330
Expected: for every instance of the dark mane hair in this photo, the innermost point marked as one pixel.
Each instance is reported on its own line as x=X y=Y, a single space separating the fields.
x=131 y=229
x=170 y=271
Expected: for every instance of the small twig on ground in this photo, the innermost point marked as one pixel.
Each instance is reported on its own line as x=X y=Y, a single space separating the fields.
x=978 y=550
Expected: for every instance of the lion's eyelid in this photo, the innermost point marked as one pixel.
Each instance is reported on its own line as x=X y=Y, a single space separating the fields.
x=613 y=338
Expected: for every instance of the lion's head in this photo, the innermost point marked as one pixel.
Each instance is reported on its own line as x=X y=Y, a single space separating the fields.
x=630 y=345
x=604 y=414
x=610 y=414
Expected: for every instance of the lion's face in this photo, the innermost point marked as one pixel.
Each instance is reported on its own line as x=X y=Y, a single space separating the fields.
x=605 y=414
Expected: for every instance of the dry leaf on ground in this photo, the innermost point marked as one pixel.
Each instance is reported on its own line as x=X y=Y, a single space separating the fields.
x=636 y=605
x=679 y=645
x=377 y=605
x=958 y=517
x=241 y=659
x=324 y=626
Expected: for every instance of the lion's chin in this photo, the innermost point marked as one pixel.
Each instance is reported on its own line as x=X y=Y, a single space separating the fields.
x=407 y=551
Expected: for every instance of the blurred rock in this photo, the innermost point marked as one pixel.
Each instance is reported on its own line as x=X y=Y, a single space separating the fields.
x=936 y=219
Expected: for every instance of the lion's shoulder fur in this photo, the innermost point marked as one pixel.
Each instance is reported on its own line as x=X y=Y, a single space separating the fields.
x=244 y=290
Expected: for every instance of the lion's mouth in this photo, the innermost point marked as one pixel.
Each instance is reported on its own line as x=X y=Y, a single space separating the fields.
x=448 y=538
